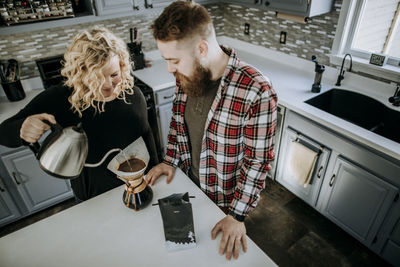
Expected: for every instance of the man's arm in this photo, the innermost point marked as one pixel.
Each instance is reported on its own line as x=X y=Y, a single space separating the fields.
x=172 y=156
x=258 y=152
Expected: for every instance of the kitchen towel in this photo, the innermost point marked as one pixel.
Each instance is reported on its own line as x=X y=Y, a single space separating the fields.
x=302 y=161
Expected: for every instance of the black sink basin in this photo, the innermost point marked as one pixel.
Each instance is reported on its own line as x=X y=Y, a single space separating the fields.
x=361 y=110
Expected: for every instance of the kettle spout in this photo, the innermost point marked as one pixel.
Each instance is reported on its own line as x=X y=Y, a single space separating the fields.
x=103 y=159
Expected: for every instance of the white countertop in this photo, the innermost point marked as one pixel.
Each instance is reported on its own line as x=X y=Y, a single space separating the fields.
x=157 y=76
x=103 y=232
x=8 y=109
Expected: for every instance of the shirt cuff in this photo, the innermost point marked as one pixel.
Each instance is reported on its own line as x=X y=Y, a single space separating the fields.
x=239 y=218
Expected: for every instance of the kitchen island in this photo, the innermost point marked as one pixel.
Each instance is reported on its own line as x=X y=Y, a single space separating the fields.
x=104 y=232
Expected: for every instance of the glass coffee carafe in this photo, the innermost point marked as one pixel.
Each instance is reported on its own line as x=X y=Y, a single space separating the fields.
x=129 y=166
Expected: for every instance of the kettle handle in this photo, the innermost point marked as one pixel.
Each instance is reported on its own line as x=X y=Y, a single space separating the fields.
x=36 y=148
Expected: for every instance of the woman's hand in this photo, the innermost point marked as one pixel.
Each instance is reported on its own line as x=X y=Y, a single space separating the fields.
x=159 y=170
x=34 y=127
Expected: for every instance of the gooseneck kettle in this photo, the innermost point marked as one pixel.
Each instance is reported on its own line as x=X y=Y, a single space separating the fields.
x=63 y=153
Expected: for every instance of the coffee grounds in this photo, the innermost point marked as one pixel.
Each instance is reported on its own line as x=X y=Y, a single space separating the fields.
x=132 y=165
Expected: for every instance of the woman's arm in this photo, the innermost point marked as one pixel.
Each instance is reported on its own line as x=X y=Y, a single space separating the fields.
x=33 y=126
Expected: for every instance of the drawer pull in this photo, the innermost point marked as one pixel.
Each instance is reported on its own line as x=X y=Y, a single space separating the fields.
x=332 y=180
x=14 y=175
x=168 y=97
x=319 y=171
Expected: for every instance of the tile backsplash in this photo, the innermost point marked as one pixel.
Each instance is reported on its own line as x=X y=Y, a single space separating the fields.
x=29 y=46
x=303 y=40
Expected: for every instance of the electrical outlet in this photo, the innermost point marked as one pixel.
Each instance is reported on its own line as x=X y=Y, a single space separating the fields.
x=282 y=38
x=247 y=28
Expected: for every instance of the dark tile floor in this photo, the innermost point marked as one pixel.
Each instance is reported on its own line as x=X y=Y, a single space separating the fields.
x=294 y=234
x=289 y=231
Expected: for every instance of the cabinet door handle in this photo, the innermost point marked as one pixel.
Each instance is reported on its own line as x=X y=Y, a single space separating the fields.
x=319 y=171
x=14 y=175
x=332 y=180
x=1 y=188
x=168 y=97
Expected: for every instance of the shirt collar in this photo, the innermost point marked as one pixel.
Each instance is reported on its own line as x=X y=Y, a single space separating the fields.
x=233 y=63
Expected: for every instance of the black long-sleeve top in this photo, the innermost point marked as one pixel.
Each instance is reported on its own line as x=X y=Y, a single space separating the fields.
x=117 y=127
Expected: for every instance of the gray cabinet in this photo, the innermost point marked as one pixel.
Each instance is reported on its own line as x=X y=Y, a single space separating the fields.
x=8 y=209
x=28 y=185
x=358 y=191
x=309 y=193
x=305 y=8
x=164 y=100
x=289 y=6
x=358 y=200
x=387 y=242
x=108 y=7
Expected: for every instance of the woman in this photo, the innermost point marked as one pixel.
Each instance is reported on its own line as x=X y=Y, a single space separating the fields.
x=98 y=92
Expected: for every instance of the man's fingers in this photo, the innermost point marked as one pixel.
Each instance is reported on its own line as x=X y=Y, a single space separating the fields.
x=229 y=247
x=169 y=177
x=152 y=176
x=148 y=178
x=215 y=231
x=244 y=243
x=153 y=179
x=236 y=248
x=223 y=243
x=159 y=170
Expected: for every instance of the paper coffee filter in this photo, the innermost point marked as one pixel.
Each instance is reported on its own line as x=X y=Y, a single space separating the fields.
x=136 y=149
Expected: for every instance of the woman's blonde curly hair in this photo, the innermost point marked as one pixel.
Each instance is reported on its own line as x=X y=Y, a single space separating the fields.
x=83 y=62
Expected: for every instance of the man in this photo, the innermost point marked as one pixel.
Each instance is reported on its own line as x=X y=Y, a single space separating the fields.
x=223 y=122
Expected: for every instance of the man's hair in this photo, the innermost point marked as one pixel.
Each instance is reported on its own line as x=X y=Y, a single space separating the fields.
x=182 y=20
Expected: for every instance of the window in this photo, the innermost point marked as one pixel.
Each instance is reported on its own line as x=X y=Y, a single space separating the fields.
x=366 y=27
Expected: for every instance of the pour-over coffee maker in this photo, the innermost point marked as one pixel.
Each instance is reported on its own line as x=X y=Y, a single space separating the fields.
x=129 y=166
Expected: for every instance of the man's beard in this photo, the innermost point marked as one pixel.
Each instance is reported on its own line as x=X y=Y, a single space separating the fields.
x=197 y=83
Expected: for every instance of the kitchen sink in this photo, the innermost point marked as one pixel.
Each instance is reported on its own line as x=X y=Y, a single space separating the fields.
x=361 y=110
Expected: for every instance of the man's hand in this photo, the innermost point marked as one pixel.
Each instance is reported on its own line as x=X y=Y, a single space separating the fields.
x=159 y=170
x=233 y=235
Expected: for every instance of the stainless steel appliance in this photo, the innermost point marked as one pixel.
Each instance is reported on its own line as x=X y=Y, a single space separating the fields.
x=279 y=123
x=50 y=70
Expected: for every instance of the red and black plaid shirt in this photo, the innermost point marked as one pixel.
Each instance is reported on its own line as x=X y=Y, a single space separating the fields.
x=238 y=142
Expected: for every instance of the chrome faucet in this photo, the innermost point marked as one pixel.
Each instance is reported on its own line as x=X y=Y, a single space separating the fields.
x=395 y=99
x=342 y=71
